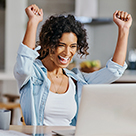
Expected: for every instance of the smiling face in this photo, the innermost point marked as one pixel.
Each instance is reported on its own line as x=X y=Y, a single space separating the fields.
x=65 y=50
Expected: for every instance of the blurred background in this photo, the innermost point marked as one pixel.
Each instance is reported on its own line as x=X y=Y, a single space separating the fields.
x=102 y=35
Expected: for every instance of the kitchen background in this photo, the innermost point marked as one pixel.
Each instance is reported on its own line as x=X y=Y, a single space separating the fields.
x=102 y=37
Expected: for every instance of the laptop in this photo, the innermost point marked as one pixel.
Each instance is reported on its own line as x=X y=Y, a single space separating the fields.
x=105 y=109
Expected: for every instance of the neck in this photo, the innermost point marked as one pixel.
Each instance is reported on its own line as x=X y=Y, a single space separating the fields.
x=56 y=72
x=51 y=67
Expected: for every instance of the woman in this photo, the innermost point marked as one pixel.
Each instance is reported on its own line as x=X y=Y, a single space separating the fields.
x=50 y=94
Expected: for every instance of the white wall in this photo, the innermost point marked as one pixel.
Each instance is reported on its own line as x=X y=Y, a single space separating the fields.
x=15 y=23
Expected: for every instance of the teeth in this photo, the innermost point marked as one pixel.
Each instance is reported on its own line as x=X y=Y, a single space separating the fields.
x=64 y=58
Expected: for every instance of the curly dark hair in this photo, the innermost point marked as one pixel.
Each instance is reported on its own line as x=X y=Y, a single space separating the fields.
x=52 y=31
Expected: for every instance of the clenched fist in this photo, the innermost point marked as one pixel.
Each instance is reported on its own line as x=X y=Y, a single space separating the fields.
x=122 y=19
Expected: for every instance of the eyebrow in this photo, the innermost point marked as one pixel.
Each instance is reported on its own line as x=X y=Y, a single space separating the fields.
x=65 y=44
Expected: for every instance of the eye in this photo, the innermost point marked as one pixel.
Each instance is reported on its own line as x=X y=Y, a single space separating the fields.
x=61 y=45
x=74 y=46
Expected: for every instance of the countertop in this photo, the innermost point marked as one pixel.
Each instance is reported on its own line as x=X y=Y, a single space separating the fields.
x=129 y=76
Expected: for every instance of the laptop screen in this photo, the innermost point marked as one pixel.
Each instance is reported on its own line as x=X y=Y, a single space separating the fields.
x=107 y=109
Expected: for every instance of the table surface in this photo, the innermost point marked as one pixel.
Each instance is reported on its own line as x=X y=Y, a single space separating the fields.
x=46 y=130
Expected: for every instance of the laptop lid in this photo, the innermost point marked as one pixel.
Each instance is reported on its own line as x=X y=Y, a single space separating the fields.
x=107 y=109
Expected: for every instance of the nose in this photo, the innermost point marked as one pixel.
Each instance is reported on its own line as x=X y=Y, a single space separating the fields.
x=67 y=51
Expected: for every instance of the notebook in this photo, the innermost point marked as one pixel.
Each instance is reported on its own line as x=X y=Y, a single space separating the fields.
x=106 y=109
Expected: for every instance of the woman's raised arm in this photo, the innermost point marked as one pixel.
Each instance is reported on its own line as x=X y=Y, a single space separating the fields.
x=35 y=16
x=123 y=20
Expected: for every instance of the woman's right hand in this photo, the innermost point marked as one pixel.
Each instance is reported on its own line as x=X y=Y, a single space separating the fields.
x=35 y=16
x=34 y=13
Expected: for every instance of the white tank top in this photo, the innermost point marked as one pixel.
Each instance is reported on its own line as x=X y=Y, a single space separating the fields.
x=60 y=109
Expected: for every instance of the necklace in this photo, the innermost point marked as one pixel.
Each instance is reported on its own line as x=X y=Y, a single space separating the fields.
x=56 y=89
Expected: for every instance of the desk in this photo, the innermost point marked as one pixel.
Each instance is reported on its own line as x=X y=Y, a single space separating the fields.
x=39 y=129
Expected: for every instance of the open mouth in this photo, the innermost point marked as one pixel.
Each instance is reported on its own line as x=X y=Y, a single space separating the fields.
x=63 y=60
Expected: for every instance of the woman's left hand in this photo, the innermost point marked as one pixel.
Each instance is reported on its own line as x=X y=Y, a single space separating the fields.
x=122 y=19
x=124 y=22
